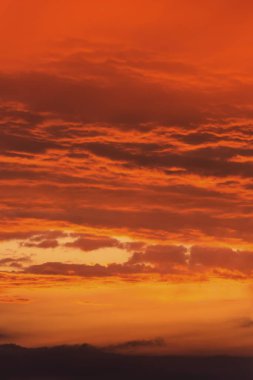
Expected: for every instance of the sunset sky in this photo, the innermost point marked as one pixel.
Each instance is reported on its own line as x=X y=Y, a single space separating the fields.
x=126 y=174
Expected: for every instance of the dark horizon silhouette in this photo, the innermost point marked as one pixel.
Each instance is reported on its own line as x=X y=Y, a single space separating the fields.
x=84 y=361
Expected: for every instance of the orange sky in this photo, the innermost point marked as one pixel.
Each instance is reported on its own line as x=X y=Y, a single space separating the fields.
x=126 y=168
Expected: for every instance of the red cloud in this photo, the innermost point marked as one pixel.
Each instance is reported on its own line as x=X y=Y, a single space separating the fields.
x=90 y=243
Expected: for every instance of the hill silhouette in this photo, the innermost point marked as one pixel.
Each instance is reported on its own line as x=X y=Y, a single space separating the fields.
x=88 y=362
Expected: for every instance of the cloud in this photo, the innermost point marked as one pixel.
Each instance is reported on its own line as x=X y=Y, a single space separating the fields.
x=6 y=336
x=241 y=261
x=50 y=243
x=246 y=324
x=213 y=257
x=161 y=255
x=165 y=261
x=91 y=243
x=14 y=300
x=122 y=141
x=33 y=235
x=134 y=345
x=16 y=263
x=83 y=270
x=124 y=100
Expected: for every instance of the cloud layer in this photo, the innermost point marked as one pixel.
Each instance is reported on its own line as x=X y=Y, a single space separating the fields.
x=137 y=143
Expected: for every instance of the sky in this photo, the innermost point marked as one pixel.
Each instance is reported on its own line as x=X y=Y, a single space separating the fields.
x=126 y=174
